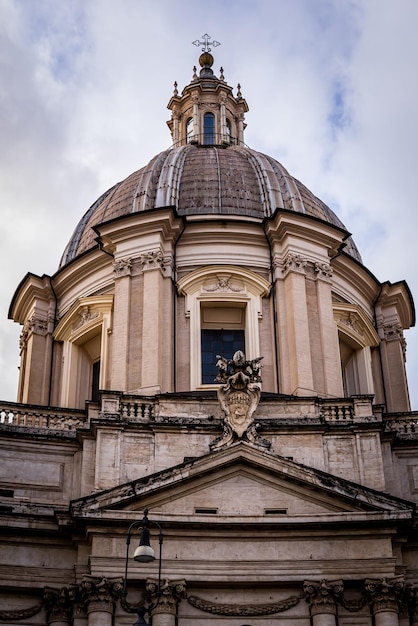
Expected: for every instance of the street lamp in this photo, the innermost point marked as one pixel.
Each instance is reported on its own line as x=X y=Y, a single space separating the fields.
x=144 y=553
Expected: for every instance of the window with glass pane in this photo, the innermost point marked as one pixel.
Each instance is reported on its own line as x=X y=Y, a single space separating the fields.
x=218 y=341
x=208 y=129
x=95 y=381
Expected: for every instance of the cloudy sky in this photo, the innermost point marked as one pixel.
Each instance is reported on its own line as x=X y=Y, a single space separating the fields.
x=331 y=84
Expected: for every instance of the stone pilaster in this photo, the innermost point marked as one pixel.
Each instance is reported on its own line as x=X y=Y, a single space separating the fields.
x=121 y=323
x=322 y=597
x=156 y=302
x=165 y=600
x=295 y=357
x=385 y=598
x=330 y=351
x=393 y=315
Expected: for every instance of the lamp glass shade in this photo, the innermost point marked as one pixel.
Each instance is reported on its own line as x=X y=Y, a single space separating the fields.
x=144 y=554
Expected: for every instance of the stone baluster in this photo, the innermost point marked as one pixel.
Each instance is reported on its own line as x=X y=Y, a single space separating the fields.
x=99 y=596
x=322 y=598
x=166 y=600
x=385 y=597
x=57 y=605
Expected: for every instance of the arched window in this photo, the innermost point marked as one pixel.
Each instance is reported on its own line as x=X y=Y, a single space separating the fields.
x=228 y=131
x=357 y=337
x=222 y=332
x=84 y=333
x=208 y=129
x=224 y=306
x=189 y=130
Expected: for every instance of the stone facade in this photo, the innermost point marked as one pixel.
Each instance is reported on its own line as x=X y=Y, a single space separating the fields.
x=285 y=486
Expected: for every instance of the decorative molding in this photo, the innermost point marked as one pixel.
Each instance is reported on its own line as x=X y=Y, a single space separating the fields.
x=35 y=325
x=152 y=260
x=248 y=610
x=223 y=284
x=85 y=316
x=323 y=596
x=170 y=594
x=323 y=270
x=11 y=615
x=393 y=331
x=99 y=593
x=239 y=396
x=122 y=267
x=385 y=594
x=91 y=310
x=57 y=604
x=352 y=321
x=294 y=263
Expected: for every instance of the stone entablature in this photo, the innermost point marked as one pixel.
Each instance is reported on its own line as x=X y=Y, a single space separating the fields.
x=101 y=595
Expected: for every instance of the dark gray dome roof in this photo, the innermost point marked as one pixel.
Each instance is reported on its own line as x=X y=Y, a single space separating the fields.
x=200 y=180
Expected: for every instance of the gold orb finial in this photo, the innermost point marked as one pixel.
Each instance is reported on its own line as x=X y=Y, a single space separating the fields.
x=206 y=59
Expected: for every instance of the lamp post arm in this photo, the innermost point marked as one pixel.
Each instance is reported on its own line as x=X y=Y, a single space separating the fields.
x=141 y=610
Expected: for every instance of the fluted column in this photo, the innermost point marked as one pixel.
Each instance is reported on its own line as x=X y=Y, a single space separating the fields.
x=385 y=596
x=168 y=598
x=322 y=599
x=57 y=605
x=99 y=595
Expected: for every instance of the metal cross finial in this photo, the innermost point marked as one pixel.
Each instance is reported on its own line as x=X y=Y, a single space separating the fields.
x=206 y=43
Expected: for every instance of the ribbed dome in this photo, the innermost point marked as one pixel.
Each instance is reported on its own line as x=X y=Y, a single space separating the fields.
x=200 y=180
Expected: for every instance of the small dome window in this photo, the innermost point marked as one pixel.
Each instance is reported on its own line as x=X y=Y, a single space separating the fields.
x=208 y=129
x=189 y=130
x=228 y=131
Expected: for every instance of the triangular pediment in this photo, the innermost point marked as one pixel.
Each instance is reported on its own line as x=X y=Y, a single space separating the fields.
x=242 y=482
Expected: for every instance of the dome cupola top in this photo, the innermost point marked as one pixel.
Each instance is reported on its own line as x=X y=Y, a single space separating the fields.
x=207 y=113
x=205 y=59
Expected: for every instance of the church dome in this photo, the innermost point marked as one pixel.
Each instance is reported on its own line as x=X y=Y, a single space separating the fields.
x=231 y=180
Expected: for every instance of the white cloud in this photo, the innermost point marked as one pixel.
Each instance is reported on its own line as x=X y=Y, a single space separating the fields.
x=331 y=91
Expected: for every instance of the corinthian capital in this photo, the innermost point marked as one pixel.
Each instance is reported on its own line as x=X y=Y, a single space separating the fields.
x=323 y=270
x=57 y=605
x=99 y=594
x=168 y=597
x=122 y=267
x=294 y=263
x=385 y=594
x=322 y=595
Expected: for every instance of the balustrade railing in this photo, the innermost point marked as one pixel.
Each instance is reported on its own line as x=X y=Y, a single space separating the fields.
x=210 y=139
x=137 y=410
x=402 y=424
x=33 y=416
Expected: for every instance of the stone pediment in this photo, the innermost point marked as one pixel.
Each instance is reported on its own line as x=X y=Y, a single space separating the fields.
x=242 y=483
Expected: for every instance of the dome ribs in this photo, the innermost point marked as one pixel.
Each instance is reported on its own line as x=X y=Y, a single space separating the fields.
x=203 y=180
